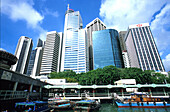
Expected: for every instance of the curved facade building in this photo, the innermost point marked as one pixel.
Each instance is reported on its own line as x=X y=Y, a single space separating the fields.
x=106 y=49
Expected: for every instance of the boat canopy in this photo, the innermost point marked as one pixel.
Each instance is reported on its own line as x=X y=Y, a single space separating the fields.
x=86 y=101
x=138 y=93
x=25 y=103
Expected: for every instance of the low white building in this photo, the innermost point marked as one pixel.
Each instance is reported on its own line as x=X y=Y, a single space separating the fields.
x=56 y=82
x=126 y=82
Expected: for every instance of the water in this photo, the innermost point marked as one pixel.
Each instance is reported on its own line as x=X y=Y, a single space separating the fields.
x=109 y=107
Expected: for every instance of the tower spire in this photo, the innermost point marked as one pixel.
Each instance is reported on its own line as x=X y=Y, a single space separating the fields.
x=68 y=7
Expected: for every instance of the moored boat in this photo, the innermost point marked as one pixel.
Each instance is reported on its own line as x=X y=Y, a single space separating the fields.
x=86 y=105
x=61 y=104
x=52 y=100
x=142 y=100
x=38 y=106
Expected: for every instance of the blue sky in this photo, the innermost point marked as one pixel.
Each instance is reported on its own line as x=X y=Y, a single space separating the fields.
x=33 y=18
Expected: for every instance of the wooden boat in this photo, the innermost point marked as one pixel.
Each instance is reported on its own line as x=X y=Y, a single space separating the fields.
x=142 y=100
x=86 y=105
x=61 y=104
x=38 y=106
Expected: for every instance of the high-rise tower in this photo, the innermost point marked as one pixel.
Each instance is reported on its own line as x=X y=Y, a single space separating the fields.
x=106 y=49
x=74 y=43
x=51 y=54
x=122 y=40
x=23 y=52
x=141 y=48
x=35 y=60
x=95 y=25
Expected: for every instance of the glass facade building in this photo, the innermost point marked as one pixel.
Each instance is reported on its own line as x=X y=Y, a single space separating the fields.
x=95 y=25
x=74 y=43
x=141 y=48
x=106 y=49
x=35 y=60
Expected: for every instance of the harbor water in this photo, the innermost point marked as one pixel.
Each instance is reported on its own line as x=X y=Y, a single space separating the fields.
x=109 y=107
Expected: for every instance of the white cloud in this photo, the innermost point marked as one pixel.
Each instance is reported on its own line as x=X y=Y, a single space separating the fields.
x=42 y=34
x=119 y=14
x=1 y=49
x=160 y=29
x=48 y=12
x=21 y=10
x=24 y=10
x=166 y=62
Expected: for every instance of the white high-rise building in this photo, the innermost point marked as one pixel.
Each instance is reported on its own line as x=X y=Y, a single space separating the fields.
x=125 y=59
x=51 y=54
x=23 y=52
x=141 y=48
x=74 y=43
x=95 y=25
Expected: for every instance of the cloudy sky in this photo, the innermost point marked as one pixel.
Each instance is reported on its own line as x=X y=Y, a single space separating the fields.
x=33 y=18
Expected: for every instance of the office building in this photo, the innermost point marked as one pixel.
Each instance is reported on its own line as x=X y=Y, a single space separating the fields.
x=122 y=40
x=95 y=25
x=106 y=49
x=51 y=54
x=125 y=59
x=23 y=52
x=141 y=48
x=35 y=60
x=74 y=43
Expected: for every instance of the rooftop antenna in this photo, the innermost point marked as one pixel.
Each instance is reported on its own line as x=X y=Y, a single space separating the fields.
x=68 y=7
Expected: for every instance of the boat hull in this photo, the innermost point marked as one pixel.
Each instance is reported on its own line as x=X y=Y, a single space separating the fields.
x=143 y=105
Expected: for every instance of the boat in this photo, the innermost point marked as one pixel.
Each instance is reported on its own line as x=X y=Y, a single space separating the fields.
x=142 y=100
x=52 y=100
x=38 y=106
x=86 y=105
x=61 y=104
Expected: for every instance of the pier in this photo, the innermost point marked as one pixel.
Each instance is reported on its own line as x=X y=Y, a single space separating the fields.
x=105 y=92
x=16 y=87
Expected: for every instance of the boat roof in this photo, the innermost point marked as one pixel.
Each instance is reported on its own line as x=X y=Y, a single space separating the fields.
x=30 y=103
x=24 y=103
x=86 y=101
x=40 y=102
x=138 y=93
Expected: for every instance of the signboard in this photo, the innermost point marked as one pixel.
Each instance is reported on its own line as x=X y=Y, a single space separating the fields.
x=6 y=75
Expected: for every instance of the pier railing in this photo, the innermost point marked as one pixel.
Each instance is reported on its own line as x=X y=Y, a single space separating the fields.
x=9 y=94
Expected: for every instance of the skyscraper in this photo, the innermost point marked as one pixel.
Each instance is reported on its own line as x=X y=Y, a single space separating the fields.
x=95 y=25
x=35 y=60
x=106 y=49
x=74 y=43
x=141 y=48
x=122 y=40
x=51 y=54
x=23 y=52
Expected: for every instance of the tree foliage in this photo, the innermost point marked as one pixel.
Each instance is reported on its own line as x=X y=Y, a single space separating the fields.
x=110 y=74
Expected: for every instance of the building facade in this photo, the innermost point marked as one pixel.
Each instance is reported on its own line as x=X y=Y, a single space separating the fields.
x=122 y=40
x=23 y=52
x=141 y=48
x=74 y=43
x=106 y=49
x=95 y=25
x=51 y=54
x=125 y=59
x=35 y=60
